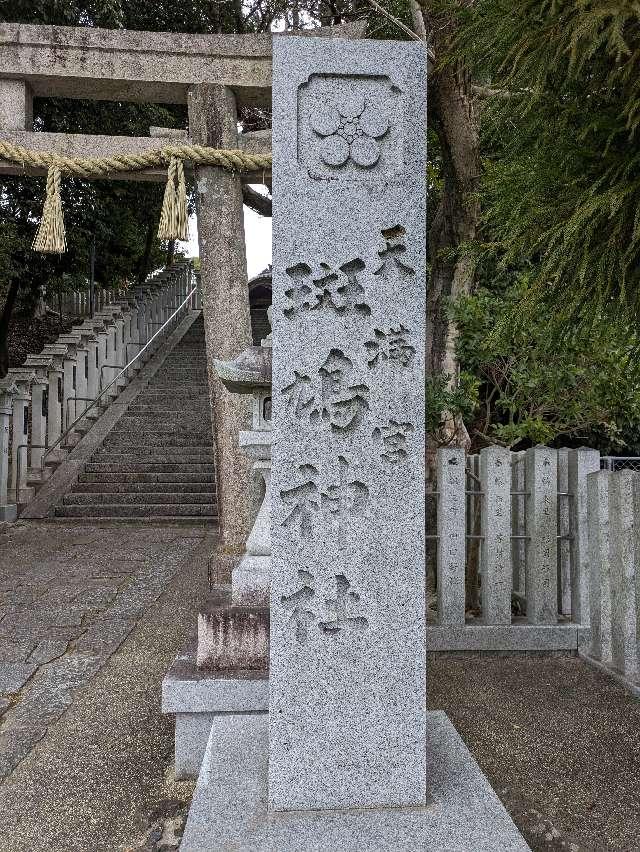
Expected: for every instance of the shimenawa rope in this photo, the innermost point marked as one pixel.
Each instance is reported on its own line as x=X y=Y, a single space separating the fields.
x=173 y=218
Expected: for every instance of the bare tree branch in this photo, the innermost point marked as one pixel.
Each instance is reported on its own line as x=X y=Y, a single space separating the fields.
x=405 y=29
x=256 y=201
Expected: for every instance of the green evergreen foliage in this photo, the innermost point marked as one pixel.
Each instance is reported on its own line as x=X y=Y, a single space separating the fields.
x=561 y=135
x=532 y=388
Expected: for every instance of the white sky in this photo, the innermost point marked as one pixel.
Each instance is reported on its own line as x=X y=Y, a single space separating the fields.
x=258 y=237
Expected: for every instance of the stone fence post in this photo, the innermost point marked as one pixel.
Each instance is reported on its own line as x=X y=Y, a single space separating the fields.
x=582 y=462
x=497 y=571
x=451 y=482
x=8 y=508
x=598 y=493
x=542 y=530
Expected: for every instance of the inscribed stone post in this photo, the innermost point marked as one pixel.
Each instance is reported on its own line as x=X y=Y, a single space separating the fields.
x=451 y=479
x=347 y=674
x=497 y=573
x=582 y=462
x=624 y=612
x=542 y=529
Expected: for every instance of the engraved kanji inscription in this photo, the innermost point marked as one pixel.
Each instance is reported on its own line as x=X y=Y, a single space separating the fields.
x=392 y=438
x=348 y=497
x=336 y=288
x=343 y=609
x=298 y=602
x=343 y=612
x=303 y=500
x=392 y=345
x=334 y=395
x=341 y=498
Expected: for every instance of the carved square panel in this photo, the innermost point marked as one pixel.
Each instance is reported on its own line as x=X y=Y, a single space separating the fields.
x=349 y=126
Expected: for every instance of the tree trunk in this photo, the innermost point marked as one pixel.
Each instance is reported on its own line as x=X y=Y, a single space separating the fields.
x=5 y=322
x=452 y=115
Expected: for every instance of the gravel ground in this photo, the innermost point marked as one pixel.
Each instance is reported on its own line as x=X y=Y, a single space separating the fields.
x=559 y=742
x=100 y=780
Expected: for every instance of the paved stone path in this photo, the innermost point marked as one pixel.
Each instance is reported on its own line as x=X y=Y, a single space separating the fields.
x=69 y=596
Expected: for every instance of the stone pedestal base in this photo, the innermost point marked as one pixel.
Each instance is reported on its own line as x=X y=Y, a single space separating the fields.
x=229 y=806
x=198 y=697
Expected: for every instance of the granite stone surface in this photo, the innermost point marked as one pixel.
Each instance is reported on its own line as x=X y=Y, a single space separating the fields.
x=451 y=484
x=497 y=577
x=191 y=737
x=187 y=689
x=542 y=544
x=582 y=462
x=625 y=520
x=229 y=808
x=347 y=684
x=598 y=493
x=494 y=637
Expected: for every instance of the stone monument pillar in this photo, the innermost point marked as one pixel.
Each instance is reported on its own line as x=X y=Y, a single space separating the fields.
x=348 y=672
x=348 y=759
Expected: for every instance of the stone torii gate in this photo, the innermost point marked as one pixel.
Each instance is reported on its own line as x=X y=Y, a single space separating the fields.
x=213 y=75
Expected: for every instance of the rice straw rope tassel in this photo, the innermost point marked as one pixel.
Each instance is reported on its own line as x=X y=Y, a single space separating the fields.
x=173 y=218
x=50 y=236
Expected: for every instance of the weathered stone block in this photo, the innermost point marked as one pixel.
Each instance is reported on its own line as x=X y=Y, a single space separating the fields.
x=232 y=636
x=347 y=677
x=16 y=105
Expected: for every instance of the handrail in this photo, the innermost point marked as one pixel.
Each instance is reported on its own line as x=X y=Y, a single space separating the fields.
x=114 y=380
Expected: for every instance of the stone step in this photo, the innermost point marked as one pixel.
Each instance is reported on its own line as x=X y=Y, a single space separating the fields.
x=187 y=487
x=178 y=478
x=149 y=467
x=125 y=458
x=140 y=498
x=155 y=410
x=137 y=439
x=124 y=510
x=151 y=424
x=159 y=396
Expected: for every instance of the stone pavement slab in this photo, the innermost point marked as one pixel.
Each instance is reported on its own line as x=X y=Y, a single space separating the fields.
x=70 y=594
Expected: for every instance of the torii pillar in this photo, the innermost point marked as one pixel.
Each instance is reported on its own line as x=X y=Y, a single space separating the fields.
x=213 y=121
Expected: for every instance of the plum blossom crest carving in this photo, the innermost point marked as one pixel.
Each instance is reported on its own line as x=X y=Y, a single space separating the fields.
x=350 y=129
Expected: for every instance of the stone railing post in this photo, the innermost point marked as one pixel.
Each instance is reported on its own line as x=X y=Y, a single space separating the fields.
x=582 y=462
x=23 y=380
x=41 y=365
x=599 y=532
x=451 y=481
x=55 y=391
x=542 y=531
x=625 y=538
x=68 y=386
x=497 y=575
x=8 y=508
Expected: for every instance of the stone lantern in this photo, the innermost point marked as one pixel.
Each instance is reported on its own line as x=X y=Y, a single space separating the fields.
x=250 y=373
x=233 y=630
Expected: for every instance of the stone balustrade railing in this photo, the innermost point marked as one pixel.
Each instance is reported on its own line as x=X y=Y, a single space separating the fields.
x=511 y=548
x=47 y=405
x=76 y=301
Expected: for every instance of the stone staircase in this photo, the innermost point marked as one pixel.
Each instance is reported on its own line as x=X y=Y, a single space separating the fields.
x=157 y=462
